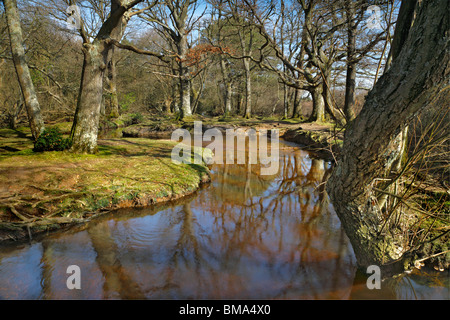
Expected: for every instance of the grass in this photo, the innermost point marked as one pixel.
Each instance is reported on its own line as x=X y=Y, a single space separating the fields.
x=124 y=173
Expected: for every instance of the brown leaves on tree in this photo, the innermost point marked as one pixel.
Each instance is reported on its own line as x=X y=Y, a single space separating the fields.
x=197 y=55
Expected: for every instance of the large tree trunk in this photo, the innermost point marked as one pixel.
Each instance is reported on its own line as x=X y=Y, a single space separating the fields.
x=373 y=141
x=96 y=57
x=85 y=126
x=318 y=112
x=330 y=108
x=23 y=73
x=185 y=81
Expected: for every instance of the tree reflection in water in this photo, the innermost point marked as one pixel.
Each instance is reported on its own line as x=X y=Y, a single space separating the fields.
x=245 y=235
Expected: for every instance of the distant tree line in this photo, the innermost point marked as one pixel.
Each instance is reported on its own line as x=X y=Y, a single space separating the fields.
x=89 y=60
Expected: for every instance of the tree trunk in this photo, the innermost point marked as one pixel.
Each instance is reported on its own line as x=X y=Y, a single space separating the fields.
x=350 y=82
x=318 y=113
x=23 y=73
x=247 y=51
x=14 y=114
x=228 y=97
x=185 y=81
x=227 y=85
x=296 y=112
x=175 y=89
x=85 y=130
x=110 y=86
x=185 y=93
x=96 y=57
x=372 y=142
x=248 y=90
x=285 y=102
x=329 y=105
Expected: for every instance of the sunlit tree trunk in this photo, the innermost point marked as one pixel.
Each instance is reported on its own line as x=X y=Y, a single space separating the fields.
x=23 y=73
x=111 y=85
x=417 y=76
x=96 y=57
x=318 y=113
x=185 y=81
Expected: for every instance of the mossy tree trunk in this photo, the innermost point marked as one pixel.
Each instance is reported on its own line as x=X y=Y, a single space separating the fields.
x=318 y=112
x=418 y=75
x=96 y=57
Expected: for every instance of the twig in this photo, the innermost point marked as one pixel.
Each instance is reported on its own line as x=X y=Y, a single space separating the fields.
x=432 y=256
x=58 y=198
x=20 y=216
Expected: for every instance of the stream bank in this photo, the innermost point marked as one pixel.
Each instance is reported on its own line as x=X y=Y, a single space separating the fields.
x=42 y=192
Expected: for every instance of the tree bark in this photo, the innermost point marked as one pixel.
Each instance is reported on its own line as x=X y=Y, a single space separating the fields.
x=318 y=113
x=111 y=85
x=248 y=90
x=285 y=102
x=227 y=84
x=350 y=81
x=23 y=73
x=185 y=82
x=330 y=108
x=14 y=114
x=96 y=57
x=86 y=122
x=296 y=109
x=175 y=106
x=372 y=141
x=247 y=51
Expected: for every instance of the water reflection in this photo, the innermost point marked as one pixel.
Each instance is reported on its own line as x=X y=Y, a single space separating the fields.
x=244 y=236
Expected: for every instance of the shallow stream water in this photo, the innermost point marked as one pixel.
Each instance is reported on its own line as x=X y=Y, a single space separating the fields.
x=243 y=236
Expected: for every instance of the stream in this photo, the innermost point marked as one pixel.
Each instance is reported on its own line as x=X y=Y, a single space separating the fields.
x=243 y=236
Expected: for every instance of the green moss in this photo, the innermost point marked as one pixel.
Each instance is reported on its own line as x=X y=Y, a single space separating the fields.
x=124 y=172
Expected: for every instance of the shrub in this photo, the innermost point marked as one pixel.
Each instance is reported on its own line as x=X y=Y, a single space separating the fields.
x=136 y=118
x=51 y=140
